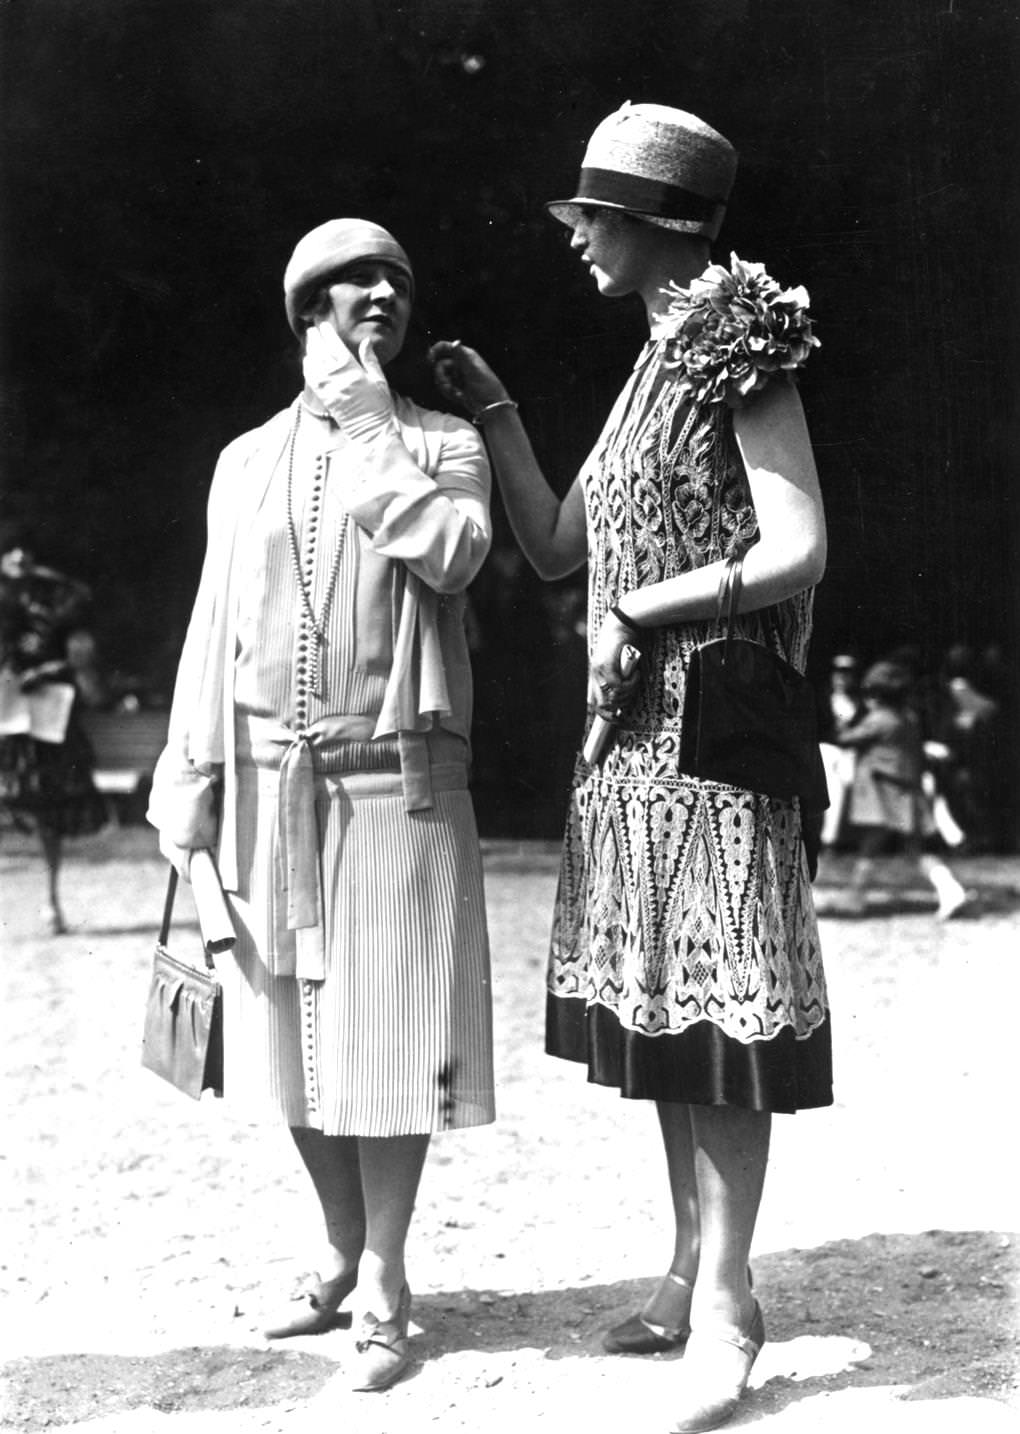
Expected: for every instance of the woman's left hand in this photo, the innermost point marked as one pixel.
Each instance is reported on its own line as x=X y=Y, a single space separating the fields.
x=354 y=390
x=610 y=683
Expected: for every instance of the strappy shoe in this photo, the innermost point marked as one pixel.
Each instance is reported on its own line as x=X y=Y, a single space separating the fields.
x=314 y=1306
x=715 y=1371
x=381 y=1353
x=640 y=1335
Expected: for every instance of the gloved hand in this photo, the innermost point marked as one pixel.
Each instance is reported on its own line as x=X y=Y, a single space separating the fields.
x=354 y=390
x=178 y=856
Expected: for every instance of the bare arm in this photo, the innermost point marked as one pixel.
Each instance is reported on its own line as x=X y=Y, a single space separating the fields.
x=550 y=530
x=790 y=555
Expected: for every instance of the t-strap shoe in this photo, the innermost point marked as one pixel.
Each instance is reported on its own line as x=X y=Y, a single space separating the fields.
x=381 y=1353
x=314 y=1306
x=641 y=1335
x=714 y=1373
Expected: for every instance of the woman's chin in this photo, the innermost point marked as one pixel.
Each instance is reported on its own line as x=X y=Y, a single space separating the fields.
x=385 y=345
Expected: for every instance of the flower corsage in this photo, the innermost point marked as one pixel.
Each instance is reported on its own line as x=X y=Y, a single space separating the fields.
x=733 y=330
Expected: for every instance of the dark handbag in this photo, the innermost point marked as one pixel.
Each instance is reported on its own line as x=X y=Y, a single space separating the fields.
x=750 y=717
x=183 y=1038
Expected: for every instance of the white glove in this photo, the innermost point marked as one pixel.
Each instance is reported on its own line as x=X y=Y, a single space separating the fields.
x=179 y=857
x=354 y=390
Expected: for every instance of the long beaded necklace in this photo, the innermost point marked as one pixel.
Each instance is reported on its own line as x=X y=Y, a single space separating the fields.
x=317 y=624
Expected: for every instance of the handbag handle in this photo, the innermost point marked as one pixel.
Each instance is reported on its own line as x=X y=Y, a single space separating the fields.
x=729 y=596
x=168 y=911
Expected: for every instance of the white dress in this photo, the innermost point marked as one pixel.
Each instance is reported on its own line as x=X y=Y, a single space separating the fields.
x=369 y=1014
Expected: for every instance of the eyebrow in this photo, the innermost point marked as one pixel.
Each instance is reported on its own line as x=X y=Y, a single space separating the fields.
x=395 y=270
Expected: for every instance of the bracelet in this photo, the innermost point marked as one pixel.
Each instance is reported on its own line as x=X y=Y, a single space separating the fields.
x=476 y=418
x=628 y=622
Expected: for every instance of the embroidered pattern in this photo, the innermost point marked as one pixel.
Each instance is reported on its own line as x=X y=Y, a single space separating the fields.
x=680 y=900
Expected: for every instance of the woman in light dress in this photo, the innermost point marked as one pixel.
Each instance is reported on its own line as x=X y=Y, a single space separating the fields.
x=319 y=745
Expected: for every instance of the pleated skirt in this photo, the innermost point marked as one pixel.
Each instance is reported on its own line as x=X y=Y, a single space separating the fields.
x=397 y=1039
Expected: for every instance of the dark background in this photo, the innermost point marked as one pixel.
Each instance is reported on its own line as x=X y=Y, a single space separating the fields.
x=161 y=159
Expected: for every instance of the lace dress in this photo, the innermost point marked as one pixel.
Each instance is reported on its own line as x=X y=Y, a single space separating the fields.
x=685 y=962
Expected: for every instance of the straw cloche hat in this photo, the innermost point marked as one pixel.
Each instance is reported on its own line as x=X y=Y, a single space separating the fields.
x=661 y=164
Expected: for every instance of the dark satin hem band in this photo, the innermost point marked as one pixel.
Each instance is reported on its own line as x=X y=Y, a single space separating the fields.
x=699 y=1066
x=647 y=196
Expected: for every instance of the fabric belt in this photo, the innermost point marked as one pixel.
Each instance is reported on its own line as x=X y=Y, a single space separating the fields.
x=297 y=752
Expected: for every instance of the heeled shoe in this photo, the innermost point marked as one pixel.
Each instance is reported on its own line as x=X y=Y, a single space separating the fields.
x=318 y=1302
x=715 y=1371
x=381 y=1353
x=640 y=1335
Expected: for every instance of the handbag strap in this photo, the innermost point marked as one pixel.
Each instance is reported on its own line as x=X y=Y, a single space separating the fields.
x=730 y=586
x=168 y=907
x=168 y=911
x=733 y=583
x=729 y=596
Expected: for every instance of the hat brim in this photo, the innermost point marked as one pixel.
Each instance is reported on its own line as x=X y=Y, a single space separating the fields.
x=568 y=211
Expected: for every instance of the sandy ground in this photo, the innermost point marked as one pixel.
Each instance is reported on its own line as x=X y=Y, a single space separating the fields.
x=144 y=1234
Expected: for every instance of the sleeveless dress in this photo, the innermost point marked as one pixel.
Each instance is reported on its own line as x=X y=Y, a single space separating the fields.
x=685 y=962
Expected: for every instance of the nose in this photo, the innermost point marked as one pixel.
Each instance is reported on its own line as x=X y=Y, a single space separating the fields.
x=383 y=291
x=579 y=237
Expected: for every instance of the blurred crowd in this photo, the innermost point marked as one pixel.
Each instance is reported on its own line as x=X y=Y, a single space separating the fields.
x=950 y=740
x=951 y=743
x=943 y=744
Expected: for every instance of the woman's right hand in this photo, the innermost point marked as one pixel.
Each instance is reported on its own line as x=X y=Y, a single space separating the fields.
x=463 y=376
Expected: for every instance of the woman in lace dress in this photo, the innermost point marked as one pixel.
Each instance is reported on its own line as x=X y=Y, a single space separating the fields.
x=685 y=964
x=318 y=742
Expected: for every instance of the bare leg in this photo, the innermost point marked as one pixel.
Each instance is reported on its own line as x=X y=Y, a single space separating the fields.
x=333 y=1164
x=731 y=1148
x=391 y=1170
x=669 y=1305
x=51 y=845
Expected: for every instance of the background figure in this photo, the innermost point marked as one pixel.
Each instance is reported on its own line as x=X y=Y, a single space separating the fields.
x=888 y=806
x=329 y=625
x=841 y=704
x=46 y=664
x=661 y=981
x=973 y=774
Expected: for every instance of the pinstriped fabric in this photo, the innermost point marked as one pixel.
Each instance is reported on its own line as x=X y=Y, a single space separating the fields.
x=271 y=624
x=397 y=1039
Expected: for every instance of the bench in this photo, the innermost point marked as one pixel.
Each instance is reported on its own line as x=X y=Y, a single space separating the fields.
x=126 y=746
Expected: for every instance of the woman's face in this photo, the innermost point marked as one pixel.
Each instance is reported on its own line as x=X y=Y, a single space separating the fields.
x=609 y=243
x=370 y=299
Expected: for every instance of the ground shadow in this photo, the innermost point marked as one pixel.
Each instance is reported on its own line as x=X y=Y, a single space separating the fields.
x=884 y=1310
x=64 y=1389
x=983 y=899
x=933 y=1313
x=149 y=926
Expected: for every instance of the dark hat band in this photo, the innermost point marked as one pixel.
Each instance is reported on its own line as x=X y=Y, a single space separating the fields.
x=644 y=196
